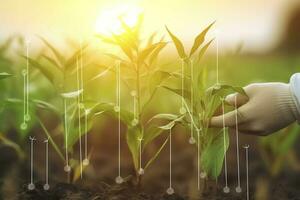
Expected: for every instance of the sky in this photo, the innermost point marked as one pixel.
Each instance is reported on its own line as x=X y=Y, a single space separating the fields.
x=256 y=23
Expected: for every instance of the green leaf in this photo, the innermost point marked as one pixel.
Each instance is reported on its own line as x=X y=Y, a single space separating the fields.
x=72 y=60
x=221 y=89
x=203 y=50
x=133 y=135
x=52 y=61
x=4 y=75
x=125 y=48
x=171 y=124
x=106 y=39
x=186 y=93
x=52 y=73
x=156 y=52
x=151 y=133
x=142 y=56
x=178 y=44
x=166 y=116
x=51 y=140
x=57 y=54
x=156 y=154
x=212 y=157
x=73 y=94
x=45 y=105
x=157 y=78
x=199 y=39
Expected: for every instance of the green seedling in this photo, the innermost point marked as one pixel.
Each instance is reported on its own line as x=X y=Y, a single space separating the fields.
x=142 y=77
x=199 y=103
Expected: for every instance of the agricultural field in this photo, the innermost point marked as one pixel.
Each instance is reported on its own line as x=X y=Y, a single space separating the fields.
x=125 y=114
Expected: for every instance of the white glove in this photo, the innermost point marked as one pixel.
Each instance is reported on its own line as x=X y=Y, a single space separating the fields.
x=270 y=107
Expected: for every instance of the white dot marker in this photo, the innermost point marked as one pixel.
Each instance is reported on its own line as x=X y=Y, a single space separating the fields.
x=31 y=186
x=134 y=122
x=67 y=168
x=116 y=108
x=119 y=180
x=141 y=171
x=203 y=175
x=192 y=140
x=23 y=126
x=170 y=191
x=226 y=189
x=46 y=187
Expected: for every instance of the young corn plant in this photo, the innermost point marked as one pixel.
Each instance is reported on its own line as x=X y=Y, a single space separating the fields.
x=199 y=103
x=142 y=77
x=66 y=76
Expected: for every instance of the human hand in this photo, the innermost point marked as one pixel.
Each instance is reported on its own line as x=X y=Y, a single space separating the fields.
x=270 y=107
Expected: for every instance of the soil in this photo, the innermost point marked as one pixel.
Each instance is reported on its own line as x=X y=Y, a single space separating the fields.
x=98 y=177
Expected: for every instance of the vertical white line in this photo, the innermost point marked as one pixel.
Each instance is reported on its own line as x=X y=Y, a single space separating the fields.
x=192 y=139
x=86 y=159
x=170 y=149
x=79 y=120
x=238 y=189
x=24 y=125
x=141 y=170
x=170 y=190
x=119 y=179
x=31 y=185
x=217 y=59
x=27 y=82
x=198 y=159
x=226 y=188
x=31 y=161
x=247 y=169
x=46 y=185
x=81 y=72
x=47 y=171
x=67 y=167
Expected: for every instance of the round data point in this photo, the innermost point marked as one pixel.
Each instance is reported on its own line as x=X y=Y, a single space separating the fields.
x=81 y=105
x=119 y=180
x=217 y=87
x=134 y=122
x=141 y=171
x=182 y=110
x=86 y=162
x=23 y=126
x=133 y=93
x=27 y=117
x=238 y=189
x=24 y=72
x=67 y=168
x=46 y=186
x=170 y=191
x=31 y=186
x=226 y=189
x=203 y=175
x=192 y=140
x=116 y=108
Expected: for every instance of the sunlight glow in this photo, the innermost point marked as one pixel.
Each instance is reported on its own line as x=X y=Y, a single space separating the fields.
x=109 y=20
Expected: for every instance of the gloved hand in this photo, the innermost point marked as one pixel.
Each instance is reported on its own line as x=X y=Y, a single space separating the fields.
x=270 y=107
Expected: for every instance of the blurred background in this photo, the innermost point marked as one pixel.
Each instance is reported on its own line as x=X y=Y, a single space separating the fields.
x=260 y=25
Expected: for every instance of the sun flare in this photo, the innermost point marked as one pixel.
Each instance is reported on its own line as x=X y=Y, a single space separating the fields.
x=109 y=20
